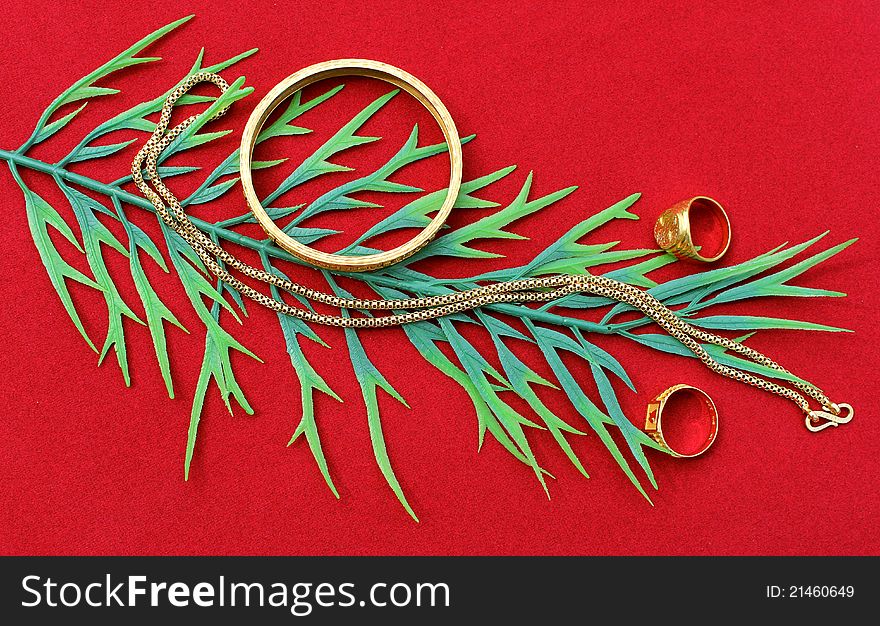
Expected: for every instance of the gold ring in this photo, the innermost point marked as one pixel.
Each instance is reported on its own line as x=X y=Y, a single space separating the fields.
x=653 y=422
x=331 y=69
x=673 y=228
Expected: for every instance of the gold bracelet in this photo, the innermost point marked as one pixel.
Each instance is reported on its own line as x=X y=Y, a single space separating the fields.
x=332 y=69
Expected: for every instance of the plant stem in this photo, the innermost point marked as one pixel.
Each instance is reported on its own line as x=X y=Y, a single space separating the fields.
x=266 y=247
x=117 y=192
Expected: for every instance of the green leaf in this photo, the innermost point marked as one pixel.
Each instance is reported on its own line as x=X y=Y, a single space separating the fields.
x=281 y=127
x=549 y=344
x=635 y=438
x=370 y=379
x=216 y=364
x=193 y=140
x=415 y=214
x=157 y=313
x=190 y=137
x=53 y=127
x=249 y=218
x=594 y=355
x=489 y=227
x=84 y=87
x=507 y=424
x=752 y=322
x=309 y=381
x=216 y=68
x=97 y=152
x=569 y=256
x=774 y=284
x=694 y=287
x=422 y=336
x=318 y=163
x=211 y=193
x=190 y=271
x=208 y=191
x=165 y=171
x=736 y=274
x=666 y=343
x=41 y=215
x=135 y=117
x=567 y=249
x=295 y=325
x=497 y=327
x=637 y=274
x=95 y=234
x=521 y=377
x=377 y=181
x=302 y=234
x=84 y=93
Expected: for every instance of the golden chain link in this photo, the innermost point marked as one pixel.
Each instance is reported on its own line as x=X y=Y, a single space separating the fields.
x=526 y=290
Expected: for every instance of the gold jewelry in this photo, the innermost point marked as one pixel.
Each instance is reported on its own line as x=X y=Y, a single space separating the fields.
x=544 y=289
x=653 y=421
x=673 y=228
x=332 y=69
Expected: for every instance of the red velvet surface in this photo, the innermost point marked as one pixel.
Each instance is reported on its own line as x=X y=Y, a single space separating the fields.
x=770 y=108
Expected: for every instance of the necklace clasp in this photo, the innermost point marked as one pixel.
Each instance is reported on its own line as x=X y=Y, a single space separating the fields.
x=814 y=419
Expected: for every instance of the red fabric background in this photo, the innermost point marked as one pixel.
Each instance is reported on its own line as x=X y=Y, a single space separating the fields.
x=772 y=109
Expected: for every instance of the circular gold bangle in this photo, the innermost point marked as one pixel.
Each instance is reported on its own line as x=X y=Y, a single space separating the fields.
x=673 y=229
x=332 y=69
x=653 y=421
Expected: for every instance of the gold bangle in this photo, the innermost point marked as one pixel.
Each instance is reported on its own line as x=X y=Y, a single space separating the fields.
x=673 y=229
x=331 y=69
x=653 y=423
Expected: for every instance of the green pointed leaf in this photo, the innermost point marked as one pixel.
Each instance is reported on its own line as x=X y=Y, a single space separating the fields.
x=507 y=425
x=211 y=193
x=521 y=376
x=370 y=379
x=41 y=215
x=666 y=343
x=98 y=152
x=86 y=92
x=216 y=365
x=83 y=88
x=222 y=65
x=310 y=381
x=415 y=214
x=281 y=126
x=95 y=234
x=753 y=322
x=317 y=164
x=53 y=127
x=774 y=284
x=190 y=137
x=157 y=313
x=190 y=271
x=590 y=412
x=694 y=287
x=377 y=181
x=490 y=227
x=135 y=117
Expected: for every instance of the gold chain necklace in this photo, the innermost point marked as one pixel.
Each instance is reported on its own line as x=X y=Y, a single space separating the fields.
x=426 y=308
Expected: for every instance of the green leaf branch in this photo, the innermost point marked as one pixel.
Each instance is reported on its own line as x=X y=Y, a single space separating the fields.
x=555 y=328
